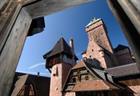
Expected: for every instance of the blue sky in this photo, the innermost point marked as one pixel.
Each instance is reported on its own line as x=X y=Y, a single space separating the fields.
x=67 y=23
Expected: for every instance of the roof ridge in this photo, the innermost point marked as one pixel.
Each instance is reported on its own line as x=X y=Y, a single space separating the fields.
x=61 y=46
x=63 y=41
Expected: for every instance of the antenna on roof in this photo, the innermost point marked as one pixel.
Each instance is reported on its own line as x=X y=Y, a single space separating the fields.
x=71 y=44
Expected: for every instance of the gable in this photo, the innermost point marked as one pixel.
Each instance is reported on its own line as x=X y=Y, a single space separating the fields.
x=77 y=76
x=85 y=76
x=27 y=90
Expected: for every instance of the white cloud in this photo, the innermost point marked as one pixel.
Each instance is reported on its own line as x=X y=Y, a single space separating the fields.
x=36 y=65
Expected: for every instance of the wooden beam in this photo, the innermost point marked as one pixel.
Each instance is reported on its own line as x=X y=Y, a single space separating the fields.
x=127 y=13
x=45 y=7
x=12 y=51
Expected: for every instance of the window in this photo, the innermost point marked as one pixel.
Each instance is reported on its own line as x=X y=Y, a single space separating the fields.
x=55 y=72
x=90 y=56
x=75 y=73
x=79 y=75
x=73 y=80
x=86 y=77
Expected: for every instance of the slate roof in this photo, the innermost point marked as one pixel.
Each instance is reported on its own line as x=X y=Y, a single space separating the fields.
x=124 y=70
x=120 y=47
x=91 y=63
x=94 y=85
x=19 y=84
x=60 y=47
x=42 y=84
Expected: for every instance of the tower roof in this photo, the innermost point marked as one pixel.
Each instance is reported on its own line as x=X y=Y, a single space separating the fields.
x=60 y=47
x=120 y=47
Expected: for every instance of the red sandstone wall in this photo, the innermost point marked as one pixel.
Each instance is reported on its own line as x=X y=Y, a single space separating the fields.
x=56 y=80
x=98 y=32
x=94 y=51
x=58 y=77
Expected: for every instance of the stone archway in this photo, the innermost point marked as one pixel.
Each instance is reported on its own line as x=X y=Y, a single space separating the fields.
x=16 y=17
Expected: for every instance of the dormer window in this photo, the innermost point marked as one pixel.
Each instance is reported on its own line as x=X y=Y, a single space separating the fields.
x=73 y=80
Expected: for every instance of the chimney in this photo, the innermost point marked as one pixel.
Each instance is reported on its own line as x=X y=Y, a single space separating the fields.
x=71 y=43
x=38 y=74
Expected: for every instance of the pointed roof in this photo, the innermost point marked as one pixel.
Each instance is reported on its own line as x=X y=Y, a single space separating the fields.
x=124 y=70
x=60 y=47
x=120 y=47
x=39 y=83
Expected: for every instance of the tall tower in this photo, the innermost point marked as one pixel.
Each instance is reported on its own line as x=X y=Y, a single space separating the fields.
x=59 y=60
x=99 y=46
x=97 y=30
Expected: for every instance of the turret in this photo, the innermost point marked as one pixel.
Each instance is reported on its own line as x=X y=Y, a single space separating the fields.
x=59 y=60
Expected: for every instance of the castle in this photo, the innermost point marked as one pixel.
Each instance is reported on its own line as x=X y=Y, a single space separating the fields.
x=99 y=73
x=103 y=70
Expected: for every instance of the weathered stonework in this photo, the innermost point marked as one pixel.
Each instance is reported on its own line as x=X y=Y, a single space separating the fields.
x=97 y=31
x=58 y=78
x=99 y=46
